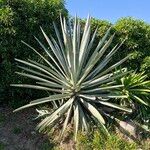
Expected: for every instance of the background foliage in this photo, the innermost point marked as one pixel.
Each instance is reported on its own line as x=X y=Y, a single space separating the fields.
x=137 y=43
x=20 y=20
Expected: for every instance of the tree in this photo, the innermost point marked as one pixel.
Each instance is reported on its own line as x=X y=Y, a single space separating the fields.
x=20 y=20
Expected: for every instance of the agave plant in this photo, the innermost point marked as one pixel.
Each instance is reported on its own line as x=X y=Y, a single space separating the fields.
x=137 y=88
x=77 y=74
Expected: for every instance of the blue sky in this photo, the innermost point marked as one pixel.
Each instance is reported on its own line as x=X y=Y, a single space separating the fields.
x=110 y=10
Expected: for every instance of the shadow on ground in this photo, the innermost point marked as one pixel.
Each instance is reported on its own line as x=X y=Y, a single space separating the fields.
x=17 y=131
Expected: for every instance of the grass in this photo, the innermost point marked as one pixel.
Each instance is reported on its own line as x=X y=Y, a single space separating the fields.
x=145 y=144
x=2 y=118
x=2 y=146
x=47 y=145
x=99 y=141
x=16 y=130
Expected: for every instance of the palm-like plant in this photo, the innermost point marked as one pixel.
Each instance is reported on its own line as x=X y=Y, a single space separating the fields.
x=76 y=73
x=137 y=88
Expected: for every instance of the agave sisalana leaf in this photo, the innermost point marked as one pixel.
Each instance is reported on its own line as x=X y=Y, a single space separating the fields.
x=76 y=72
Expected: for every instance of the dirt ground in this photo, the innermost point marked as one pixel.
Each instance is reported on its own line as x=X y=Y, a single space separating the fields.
x=17 y=131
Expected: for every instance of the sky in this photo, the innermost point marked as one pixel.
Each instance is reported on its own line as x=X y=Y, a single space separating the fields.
x=110 y=10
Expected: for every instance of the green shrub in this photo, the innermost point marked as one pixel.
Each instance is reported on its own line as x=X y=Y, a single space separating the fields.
x=101 y=25
x=137 y=44
x=20 y=20
x=145 y=66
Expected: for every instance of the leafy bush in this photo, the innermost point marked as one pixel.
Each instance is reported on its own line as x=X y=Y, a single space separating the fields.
x=20 y=20
x=138 y=40
x=80 y=78
x=101 y=25
x=145 y=66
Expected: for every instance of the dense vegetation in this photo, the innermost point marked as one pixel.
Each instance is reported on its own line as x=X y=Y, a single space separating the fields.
x=20 y=20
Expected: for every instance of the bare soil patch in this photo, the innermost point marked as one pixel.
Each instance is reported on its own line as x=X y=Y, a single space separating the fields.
x=17 y=131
